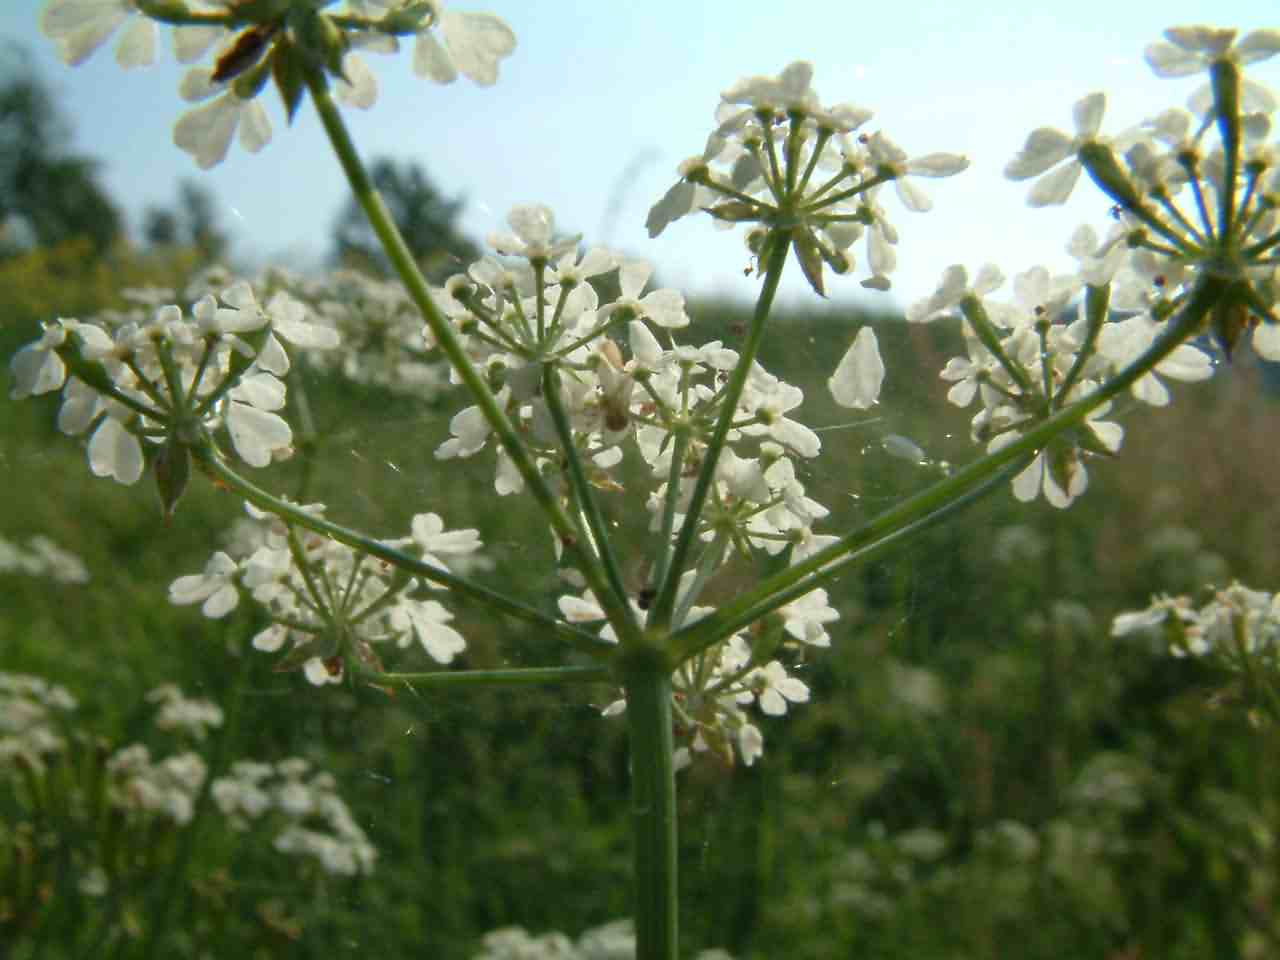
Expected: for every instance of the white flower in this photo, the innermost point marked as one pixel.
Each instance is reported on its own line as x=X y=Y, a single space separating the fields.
x=474 y=44
x=859 y=375
x=429 y=534
x=429 y=621
x=774 y=689
x=205 y=132
x=80 y=27
x=664 y=307
x=215 y=588
x=37 y=368
x=1046 y=148
x=532 y=236
x=952 y=288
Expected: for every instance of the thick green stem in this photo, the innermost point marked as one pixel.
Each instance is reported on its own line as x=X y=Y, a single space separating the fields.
x=779 y=244
x=214 y=465
x=495 y=678
x=653 y=806
x=774 y=591
x=406 y=268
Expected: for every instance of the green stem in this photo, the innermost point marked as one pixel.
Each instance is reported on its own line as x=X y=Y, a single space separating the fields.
x=773 y=592
x=579 y=484
x=495 y=678
x=779 y=245
x=653 y=806
x=406 y=268
x=460 y=586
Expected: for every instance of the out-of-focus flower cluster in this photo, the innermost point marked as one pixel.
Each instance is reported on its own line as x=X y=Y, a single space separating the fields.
x=160 y=378
x=782 y=161
x=380 y=329
x=252 y=44
x=1236 y=630
x=56 y=767
x=612 y=941
x=309 y=818
x=328 y=602
x=42 y=558
x=1237 y=622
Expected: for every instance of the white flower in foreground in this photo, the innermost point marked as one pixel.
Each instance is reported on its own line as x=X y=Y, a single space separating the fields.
x=429 y=621
x=952 y=288
x=1194 y=49
x=436 y=542
x=533 y=235
x=474 y=44
x=860 y=373
x=80 y=27
x=205 y=132
x=775 y=689
x=215 y=588
x=37 y=368
x=1046 y=148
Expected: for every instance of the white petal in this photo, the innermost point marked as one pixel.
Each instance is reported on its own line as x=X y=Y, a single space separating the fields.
x=1044 y=148
x=256 y=433
x=1026 y=485
x=431 y=61
x=137 y=48
x=205 y=132
x=858 y=377
x=1266 y=341
x=115 y=452
x=255 y=128
x=477 y=41
x=1088 y=114
x=1054 y=187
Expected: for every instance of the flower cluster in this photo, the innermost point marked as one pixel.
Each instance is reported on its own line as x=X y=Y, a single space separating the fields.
x=612 y=941
x=711 y=690
x=624 y=381
x=1031 y=356
x=1236 y=623
x=253 y=43
x=164 y=380
x=795 y=169
x=1194 y=189
x=42 y=558
x=380 y=329
x=38 y=731
x=309 y=817
x=32 y=720
x=328 y=602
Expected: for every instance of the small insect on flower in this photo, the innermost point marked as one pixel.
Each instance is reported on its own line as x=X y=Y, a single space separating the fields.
x=245 y=52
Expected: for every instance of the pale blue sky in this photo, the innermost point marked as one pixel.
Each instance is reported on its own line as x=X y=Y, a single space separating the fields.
x=601 y=101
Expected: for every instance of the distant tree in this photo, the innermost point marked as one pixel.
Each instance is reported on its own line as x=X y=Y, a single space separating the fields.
x=192 y=223
x=48 y=195
x=425 y=218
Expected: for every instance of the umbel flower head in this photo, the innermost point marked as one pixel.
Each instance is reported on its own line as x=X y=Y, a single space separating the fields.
x=1194 y=190
x=257 y=41
x=780 y=160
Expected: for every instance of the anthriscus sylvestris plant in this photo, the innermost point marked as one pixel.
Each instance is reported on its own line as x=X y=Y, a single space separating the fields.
x=558 y=384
